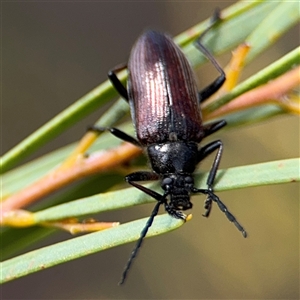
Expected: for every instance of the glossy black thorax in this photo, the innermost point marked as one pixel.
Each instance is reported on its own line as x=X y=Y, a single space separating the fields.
x=175 y=157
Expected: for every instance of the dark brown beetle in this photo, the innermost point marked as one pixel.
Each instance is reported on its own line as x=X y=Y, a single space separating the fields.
x=165 y=109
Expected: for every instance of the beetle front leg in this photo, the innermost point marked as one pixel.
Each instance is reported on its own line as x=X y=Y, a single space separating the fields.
x=144 y=176
x=147 y=176
x=211 y=196
x=204 y=152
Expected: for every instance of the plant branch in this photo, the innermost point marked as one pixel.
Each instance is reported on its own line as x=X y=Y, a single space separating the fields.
x=60 y=177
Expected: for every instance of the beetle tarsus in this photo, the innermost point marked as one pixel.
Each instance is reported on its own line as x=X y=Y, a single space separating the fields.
x=207 y=207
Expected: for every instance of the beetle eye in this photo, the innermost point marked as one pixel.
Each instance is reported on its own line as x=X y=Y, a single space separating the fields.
x=188 y=179
x=167 y=182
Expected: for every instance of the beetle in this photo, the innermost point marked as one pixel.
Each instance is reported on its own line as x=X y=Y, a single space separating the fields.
x=165 y=109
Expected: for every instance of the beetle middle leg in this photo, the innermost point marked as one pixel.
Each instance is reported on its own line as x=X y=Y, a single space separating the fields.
x=211 y=128
x=117 y=133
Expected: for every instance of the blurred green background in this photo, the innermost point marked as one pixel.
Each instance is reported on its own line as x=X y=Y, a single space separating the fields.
x=55 y=52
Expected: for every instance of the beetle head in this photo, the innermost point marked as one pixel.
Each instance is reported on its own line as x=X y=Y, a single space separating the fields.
x=179 y=187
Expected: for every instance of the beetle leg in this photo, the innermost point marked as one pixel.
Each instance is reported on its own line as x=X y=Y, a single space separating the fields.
x=117 y=133
x=223 y=208
x=144 y=176
x=204 y=152
x=218 y=82
x=118 y=85
x=210 y=128
x=178 y=214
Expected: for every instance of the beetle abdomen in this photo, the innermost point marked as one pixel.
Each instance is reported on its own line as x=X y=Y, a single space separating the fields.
x=162 y=91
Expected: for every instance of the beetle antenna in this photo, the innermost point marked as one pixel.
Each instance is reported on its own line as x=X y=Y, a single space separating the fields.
x=212 y=196
x=228 y=214
x=140 y=241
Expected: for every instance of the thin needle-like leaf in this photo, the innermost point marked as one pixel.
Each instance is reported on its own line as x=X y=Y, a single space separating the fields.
x=81 y=246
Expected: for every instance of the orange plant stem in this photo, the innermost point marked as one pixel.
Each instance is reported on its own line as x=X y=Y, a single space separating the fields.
x=62 y=176
x=269 y=92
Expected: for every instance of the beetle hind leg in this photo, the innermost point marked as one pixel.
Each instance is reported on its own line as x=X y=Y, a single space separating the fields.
x=118 y=85
x=117 y=133
x=218 y=82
